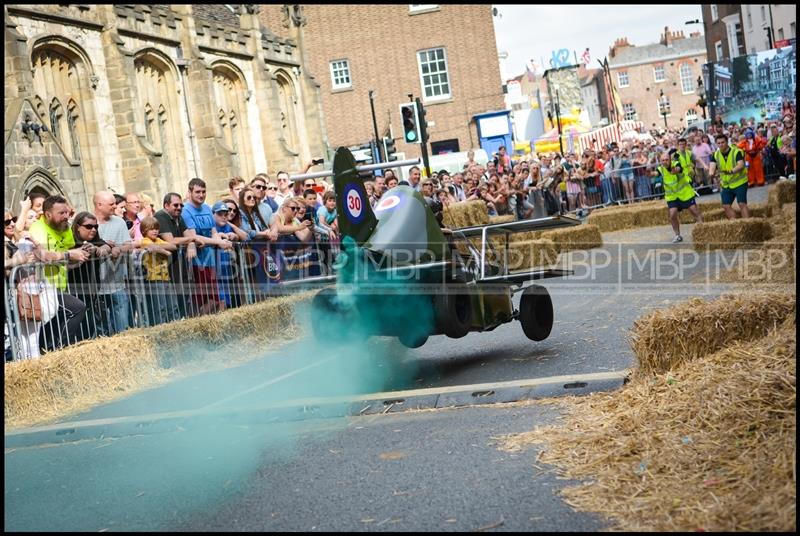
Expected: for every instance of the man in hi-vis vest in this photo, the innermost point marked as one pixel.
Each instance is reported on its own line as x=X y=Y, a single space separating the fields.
x=678 y=192
x=729 y=161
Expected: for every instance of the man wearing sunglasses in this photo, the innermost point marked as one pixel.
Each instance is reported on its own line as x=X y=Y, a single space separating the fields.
x=172 y=229
x=265 y=198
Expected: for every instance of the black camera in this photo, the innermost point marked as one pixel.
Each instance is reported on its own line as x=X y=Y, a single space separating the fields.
x=317 y=161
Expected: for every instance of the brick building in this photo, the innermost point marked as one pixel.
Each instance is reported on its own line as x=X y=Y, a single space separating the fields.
x=641 y=73
x=724 y=35
x=142 y=98
x=446 y=54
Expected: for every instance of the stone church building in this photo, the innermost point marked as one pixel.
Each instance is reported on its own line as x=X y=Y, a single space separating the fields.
x=142 y=98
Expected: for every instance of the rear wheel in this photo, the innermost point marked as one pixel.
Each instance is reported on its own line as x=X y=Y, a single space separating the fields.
x=536 y=313
x=410 y=340
x=453 y=314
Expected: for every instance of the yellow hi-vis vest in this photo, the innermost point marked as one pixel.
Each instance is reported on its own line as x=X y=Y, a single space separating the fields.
x=686 y=163
x=726 y=178
x=676 y=187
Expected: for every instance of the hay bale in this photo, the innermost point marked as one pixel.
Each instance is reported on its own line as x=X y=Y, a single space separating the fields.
x=788 y=212
x=662 y=340
x=709 y=446
x=760 y=210
x=531 y=254
x=577 y=237
x=465 y=214
x=80 y=376
x=730 y=234
x=756 y=211
x=502 y=219
x=612 y=220
x=77 y=377
x=651 y=216
x=784 y=192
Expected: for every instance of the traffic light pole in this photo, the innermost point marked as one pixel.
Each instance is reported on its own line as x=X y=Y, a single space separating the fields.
x=423 y=138
x=375 y=125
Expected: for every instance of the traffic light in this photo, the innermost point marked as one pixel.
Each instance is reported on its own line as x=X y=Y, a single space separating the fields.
x=408 y=114
x=389 y=149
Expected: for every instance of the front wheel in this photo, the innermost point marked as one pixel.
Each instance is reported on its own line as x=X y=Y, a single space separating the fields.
x=536 y=313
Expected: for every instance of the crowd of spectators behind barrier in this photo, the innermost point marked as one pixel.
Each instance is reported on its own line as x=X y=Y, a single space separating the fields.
x=187 y=233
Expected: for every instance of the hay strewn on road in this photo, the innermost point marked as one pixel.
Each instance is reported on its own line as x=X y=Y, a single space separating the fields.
x=709 y=445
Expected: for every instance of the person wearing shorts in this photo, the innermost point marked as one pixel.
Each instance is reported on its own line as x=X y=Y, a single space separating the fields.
x=678 y=193
x=729 y=161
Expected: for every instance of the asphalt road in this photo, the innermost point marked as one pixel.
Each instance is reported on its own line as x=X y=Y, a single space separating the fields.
x=428 y=470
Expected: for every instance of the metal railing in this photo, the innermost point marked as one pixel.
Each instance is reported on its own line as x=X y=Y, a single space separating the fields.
x=51 y=305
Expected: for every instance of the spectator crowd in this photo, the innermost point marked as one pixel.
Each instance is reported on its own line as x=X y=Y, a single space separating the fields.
x=129 y=262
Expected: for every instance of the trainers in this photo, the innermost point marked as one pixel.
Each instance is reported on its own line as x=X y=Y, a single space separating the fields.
x=678 y=238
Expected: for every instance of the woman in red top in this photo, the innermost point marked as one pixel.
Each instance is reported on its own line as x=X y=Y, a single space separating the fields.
x=503 y=160
x=752 y=146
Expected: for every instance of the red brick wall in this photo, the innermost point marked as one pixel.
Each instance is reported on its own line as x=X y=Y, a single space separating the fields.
x=381 y=44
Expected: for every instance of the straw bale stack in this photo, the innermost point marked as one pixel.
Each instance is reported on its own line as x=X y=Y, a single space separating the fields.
x=82 y=375
x=577 y=237
x=612 y=220
x=664 y=339
x=531 y=254
x=650 y=216
x=708 y=446
x=78 y=376
x=782 y=192
x=502 y=219
x=465 y=214
x=789 y=212
x=731 y=234
x=756 y=211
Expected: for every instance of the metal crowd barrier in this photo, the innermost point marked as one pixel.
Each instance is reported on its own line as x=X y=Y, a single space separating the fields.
x=86 y=308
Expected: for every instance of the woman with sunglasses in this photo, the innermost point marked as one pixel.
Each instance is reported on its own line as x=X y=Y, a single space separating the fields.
x=289 y=226
x=252 y=222
x=84 y=279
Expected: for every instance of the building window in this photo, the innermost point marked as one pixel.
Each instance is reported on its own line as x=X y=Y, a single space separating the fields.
x=719 y=50
x=749 y=18
x=658 y=73
x=793 y=29
x=433 y=74
x=715 y=13
x=664 y=106
x=763 y=13
x=687 y=79
x=780 y=34
x=630 y=111
x=340 y=74
x=622 y=78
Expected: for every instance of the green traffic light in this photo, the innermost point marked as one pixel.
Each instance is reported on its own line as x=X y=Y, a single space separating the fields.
x=411 y=136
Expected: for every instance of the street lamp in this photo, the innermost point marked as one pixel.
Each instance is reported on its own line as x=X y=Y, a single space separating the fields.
x=663 y=104
x=701 y=102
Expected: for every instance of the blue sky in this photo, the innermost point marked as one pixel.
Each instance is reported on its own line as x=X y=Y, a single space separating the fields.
x=534 y=31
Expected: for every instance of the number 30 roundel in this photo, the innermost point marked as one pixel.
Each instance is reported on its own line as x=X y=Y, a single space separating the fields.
x=353 y=204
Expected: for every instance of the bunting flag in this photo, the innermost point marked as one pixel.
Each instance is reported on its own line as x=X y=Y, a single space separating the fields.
x=586 y=57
